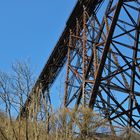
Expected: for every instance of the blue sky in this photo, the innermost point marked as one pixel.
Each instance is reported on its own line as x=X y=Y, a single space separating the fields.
x=30 y=29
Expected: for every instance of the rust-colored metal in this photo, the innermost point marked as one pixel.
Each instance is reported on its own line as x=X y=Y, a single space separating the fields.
x=101 y=45
x=68 y=70
x=107 y=74
x=58 y=56
x=84 y=53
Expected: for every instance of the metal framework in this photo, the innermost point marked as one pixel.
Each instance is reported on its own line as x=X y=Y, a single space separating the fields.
x=101 y=43
x=58 y=56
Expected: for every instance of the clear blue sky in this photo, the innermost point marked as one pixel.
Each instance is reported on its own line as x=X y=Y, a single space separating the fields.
x=30 y=29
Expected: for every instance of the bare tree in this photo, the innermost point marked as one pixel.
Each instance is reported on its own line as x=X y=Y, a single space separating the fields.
x=14 y=90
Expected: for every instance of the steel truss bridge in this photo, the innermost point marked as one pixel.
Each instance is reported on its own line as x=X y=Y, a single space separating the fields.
x=100 y=46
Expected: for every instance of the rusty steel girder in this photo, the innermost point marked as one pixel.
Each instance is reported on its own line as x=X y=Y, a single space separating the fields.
x=103 y=69
x=58 y=56
x=101 y=44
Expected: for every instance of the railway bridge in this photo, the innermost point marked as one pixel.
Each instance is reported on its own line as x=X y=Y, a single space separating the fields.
x=100 y=47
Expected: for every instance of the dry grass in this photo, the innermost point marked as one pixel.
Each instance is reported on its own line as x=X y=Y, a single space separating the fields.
x=64 y=125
